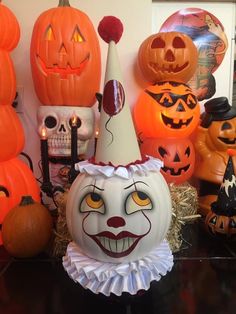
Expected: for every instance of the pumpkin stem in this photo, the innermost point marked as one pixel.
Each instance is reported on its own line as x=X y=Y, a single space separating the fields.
x=63 y=3
x=26 y=200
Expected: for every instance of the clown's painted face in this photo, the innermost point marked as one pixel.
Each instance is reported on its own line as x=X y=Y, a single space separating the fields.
x=114 y=219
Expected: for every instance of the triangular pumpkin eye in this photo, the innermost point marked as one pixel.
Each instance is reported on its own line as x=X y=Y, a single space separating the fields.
x=49 y=35
x=77 y=36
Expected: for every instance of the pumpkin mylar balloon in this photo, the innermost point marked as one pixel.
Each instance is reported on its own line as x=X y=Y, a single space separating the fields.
x=116 y=219
x=166 y=109
x=65 y=57
x=178 y=156
x=16 y=180
x=9 y=29
x=170 y=56
x=12 y=137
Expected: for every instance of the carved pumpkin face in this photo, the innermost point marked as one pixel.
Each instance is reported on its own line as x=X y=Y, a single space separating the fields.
x=166 y=110
x=114 y=219
x=170 y=56
x=16 y=180
x=178 y=156
x=220 y=225
x=222 y=134
x=65 y=58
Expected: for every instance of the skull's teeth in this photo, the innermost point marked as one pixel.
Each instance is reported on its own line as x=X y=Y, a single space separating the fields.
x=116 y=246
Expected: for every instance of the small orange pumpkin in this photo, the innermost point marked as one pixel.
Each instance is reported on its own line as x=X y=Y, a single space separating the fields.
x=27 y=228
x=65 y=57
x=170 y=56
x=9 y=29
x=166 y=109
x=219 y=225
x=12 y=137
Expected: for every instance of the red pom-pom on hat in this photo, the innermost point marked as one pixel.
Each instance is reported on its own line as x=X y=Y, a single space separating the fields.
x=110 y=28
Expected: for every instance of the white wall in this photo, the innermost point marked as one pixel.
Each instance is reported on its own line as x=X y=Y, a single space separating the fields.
x=136 y=18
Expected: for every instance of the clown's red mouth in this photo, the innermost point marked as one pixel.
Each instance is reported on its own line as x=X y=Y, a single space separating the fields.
x=173 y=172
x=176 y=123
x=170 y=68
x=116 y=246
x=63 y=72
x=227 y=141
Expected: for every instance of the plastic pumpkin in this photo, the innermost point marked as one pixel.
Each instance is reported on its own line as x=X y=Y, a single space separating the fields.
x=178 y=156
x=16 y=180
x=166 y=110
x=65 y=57
x=9 y=29
x=115 y=219
x=7 y=79
x=27 y=228
x=220 y=225
x=170 y=56
x=12 y=137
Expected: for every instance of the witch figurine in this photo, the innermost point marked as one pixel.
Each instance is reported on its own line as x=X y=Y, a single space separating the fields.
x=119 y=207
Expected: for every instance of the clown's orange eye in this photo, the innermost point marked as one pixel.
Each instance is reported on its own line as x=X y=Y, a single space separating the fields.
x=49 y=35
x=77 y=36
x=92 y=202
x=136 y=201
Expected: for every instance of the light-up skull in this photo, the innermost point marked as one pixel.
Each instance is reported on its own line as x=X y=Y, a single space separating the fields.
x=115 y=219
x=57 y=121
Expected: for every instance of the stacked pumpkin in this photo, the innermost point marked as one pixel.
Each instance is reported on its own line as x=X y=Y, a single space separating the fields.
x=66 y=70
x=167 y=112
x=16 y=179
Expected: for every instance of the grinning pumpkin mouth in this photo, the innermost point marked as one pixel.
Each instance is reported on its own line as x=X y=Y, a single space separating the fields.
x=170 y=68
x=227 y=140
x=63 y=72
x=176 y=123
x=116 y=246
x=176 y=173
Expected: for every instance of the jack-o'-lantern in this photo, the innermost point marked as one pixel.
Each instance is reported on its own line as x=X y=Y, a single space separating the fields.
x=178 y=156
x=115 y=219
x=166 y=110
x=170 y=56
x=16 y=180
x=11 y=133
x=7 y=79
x=220 y=224
x=65 y=57
x=9 y=29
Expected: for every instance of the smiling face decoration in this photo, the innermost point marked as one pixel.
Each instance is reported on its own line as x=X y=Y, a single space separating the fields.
x=113 y=219
x=166 y=110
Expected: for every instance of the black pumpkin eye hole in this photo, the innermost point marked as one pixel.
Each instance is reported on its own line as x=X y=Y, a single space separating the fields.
x=187 y=151
x=50 y=122
x=4 y=192
x=49 y=34
x=158 y=43
x=226 y=126
x=77 y=37
x=162 y=151
x=178 y=42
x=191 y=101
x=78 y=122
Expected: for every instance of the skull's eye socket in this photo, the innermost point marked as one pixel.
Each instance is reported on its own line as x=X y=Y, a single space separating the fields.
x=137 y=200
x=158 y=43
x=50 y=122
x=162 y=151
x=178 y=42
x=92 y=202
x=49 y=35
x=77 y=36
x=3 y=192
x=226 y=126
x=78 y=122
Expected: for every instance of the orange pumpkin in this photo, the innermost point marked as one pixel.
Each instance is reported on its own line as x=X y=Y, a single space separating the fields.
x=27 y=228
x=170 y=56
x=7 y=79
x=65 y=57
x=16 y=180
x=166 y=110
x=12 y=137
x=9 y=29
x=178 y=156
x=220 y=225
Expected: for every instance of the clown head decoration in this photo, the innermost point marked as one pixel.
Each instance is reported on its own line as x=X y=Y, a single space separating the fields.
x=58 y=120
x=65 y=57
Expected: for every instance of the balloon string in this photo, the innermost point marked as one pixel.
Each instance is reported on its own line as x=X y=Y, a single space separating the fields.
x=112 y=137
